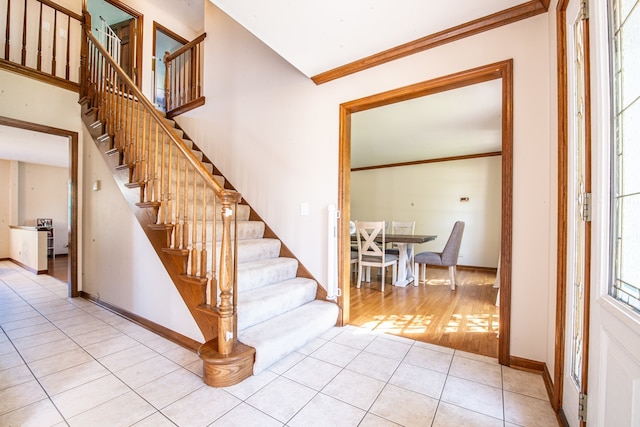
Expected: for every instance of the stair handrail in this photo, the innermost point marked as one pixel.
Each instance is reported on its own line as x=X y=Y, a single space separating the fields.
x=186 y=47
x=182 y=89
x=123 y=99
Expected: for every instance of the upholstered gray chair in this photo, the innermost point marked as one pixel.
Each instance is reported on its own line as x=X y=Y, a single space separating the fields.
x=448 y=257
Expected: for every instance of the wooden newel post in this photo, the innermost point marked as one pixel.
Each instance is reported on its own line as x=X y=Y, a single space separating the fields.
x=84 y=55
x=226 y=310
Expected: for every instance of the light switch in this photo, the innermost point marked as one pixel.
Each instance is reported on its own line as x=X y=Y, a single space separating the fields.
x=304 y=209
x=96 y=185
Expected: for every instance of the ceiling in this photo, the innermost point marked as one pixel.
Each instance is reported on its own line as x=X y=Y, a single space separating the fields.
x=33 y=147
x=463 y=121
x=318 y=36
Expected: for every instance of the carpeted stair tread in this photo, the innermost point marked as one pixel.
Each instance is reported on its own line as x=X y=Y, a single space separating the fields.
x=257 y=274
x=284 y=334
x=270 y=301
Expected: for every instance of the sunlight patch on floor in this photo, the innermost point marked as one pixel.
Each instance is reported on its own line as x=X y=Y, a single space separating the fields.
x=396 y=323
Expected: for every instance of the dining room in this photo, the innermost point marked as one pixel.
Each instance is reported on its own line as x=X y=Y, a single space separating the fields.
x=432 y=161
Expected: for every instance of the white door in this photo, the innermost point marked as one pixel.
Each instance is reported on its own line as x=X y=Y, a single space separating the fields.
x=614 y=339
x=578 y=225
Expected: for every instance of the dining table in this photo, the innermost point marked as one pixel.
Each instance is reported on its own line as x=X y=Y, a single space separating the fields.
x=405 y=244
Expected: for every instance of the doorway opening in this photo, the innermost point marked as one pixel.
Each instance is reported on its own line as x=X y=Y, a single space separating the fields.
x=72 y=193
x=164 y=41
x=501 y=71
x=119 y=29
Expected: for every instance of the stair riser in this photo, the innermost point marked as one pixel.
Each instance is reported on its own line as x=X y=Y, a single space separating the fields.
x=271 y=301
x=256 y=275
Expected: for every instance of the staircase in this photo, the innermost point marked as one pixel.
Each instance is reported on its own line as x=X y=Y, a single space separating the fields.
x=251 y=302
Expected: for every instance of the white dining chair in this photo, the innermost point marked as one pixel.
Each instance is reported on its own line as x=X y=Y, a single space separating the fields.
x=400 y=227
x=370 y=254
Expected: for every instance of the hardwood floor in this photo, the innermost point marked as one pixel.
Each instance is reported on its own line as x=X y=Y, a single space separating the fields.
x=59 y=267
x=466 y=319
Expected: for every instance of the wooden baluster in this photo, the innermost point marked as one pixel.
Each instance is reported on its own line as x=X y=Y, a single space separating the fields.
x=199 y=71
x=7 y=37
x=121 y=115
x=104 y=94
x=67 y=66
x=24 y=35
x=234 y=270
x=193 y=251
x=178 y=200
x=158 y=160
x=39 y=63
x=213 y=283
x=192 y=73
x=153 y=159
x=203 y=256
x=146 y=141
x=137 y=143
x=111 y=99
x=168 y=171
x=54 y=71
x=185 y=232
x=140 y=174
x=183 y=75
x=128 y=128
x=85 y=64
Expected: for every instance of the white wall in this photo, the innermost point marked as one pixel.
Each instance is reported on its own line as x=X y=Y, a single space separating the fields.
x=274 y=134
x=43 y=192
x=32 y=101
x=430 y=195
x=121 y=267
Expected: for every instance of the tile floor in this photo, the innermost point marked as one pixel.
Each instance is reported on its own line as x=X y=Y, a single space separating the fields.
x=70 y=362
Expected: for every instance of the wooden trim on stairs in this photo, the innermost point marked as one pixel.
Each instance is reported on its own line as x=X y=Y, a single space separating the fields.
x=167 y=333
x=39 y=75
x=198 y=102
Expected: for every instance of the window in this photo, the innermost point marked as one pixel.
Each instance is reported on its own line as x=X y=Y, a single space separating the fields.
x=625 y=178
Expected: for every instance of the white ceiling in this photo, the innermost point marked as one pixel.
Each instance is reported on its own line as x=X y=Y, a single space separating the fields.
x=462 y=121
x=316 y=36
x=33 y=147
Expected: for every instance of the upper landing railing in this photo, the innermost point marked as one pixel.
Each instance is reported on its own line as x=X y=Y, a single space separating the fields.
x=42 y=40
x=183 y=77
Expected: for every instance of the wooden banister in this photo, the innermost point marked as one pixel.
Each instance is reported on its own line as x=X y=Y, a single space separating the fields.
x=25 y=53
x=183 y=77
x=185 y=196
